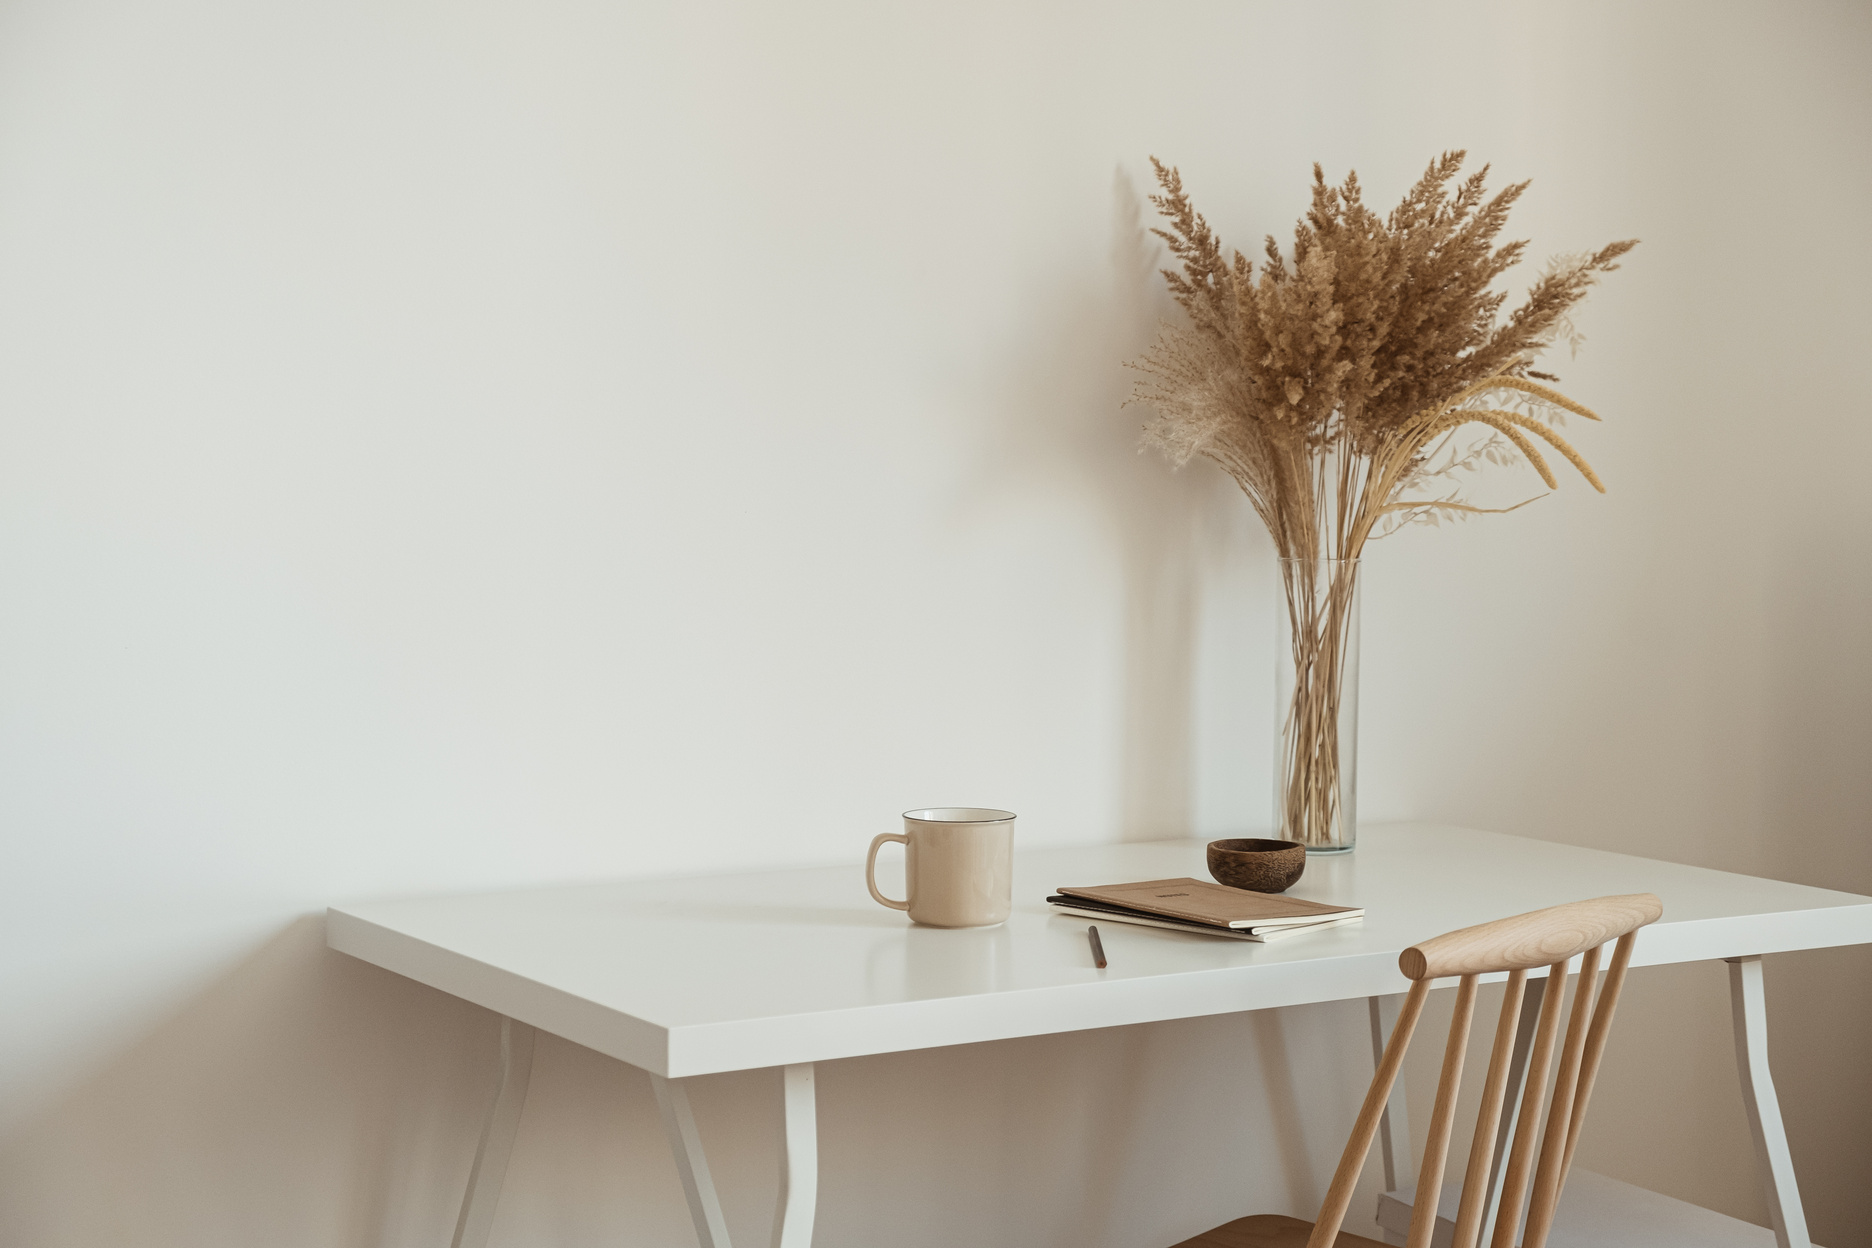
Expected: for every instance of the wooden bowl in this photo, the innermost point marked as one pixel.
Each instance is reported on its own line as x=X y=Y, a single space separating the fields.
x=1257 y=865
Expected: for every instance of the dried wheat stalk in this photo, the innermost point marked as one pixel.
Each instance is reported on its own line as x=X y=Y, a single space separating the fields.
x=1330 y=383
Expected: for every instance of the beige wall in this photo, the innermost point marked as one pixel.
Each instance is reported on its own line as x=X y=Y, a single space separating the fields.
x=449 y=446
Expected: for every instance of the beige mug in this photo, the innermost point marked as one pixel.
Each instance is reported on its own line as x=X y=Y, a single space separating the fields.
x=958 y=866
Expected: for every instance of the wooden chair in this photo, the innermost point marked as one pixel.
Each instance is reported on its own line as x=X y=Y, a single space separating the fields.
x=1542 y=938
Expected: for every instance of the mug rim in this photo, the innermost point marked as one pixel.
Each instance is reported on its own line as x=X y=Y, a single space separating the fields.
x=959 y=814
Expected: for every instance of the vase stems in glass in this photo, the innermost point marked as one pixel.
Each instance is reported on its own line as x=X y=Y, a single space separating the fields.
x=1316 y=701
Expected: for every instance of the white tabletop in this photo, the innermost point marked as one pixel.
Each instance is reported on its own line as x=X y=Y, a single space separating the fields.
x=701 y=974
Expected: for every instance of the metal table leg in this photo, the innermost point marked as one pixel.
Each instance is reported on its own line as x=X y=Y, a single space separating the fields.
x=1400 y=1171
x=497 y=1137
x=799 y=1161
x=672 y=1097
x=1749 y=1010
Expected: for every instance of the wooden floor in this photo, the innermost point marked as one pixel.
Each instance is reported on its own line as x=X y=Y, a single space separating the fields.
x=1270 y=1230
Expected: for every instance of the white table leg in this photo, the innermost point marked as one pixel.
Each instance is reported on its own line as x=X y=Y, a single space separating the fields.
x=1394 y=1142
x=1394 y=1127
x=691 y=1162
x=497 y=1137
x=1749 y=1010
x=799 y=1162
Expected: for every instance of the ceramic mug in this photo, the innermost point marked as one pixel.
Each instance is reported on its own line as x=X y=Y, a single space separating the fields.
x=958 y=866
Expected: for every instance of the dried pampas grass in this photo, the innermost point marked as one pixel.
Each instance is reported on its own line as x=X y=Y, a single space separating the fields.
x=1332 y=385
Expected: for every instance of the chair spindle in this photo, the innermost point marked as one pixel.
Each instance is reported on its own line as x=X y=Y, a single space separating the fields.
x=1442 y=1117
x=1521 y=1155
x=1596 y=1042
x=1488 y=1118
x=1546 y=1196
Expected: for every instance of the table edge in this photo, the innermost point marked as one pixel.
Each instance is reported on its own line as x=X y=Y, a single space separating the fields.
x=685 y=1050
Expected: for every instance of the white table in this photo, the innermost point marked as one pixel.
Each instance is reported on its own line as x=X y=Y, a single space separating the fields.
x=699 y=975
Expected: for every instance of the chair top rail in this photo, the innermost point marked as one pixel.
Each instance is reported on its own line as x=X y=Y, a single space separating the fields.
x=1525 y=941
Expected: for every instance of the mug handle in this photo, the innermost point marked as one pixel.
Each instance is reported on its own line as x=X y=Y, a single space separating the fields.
x=877 y=842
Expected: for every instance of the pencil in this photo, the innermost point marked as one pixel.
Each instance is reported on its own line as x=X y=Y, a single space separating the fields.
x=1098 y=949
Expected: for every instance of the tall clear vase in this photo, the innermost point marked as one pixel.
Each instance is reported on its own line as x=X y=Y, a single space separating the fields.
x=1316 y=701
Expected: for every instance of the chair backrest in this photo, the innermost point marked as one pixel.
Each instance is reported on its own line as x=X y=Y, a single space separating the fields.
x=1517 y=945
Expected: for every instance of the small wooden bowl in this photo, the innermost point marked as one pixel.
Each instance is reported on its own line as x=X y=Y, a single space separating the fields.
x=1257 y=865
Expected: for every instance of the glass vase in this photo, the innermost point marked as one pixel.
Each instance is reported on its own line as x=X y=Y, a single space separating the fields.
x=1316 y=705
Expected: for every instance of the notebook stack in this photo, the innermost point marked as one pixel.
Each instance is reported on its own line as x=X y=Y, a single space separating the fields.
x=1187 y=905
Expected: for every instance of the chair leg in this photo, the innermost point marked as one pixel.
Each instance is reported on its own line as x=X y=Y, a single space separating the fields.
x=497 y=1137
x=1749 y=1011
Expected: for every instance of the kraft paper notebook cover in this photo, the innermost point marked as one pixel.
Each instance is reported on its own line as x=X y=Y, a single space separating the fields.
x=1210 y=905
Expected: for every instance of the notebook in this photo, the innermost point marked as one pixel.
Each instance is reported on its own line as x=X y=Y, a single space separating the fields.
x=1204 y=906
x=1064 y=906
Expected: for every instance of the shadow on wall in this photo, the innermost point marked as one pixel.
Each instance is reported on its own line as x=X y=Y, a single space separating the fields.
x=305 y=1098
x=1060 y=421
